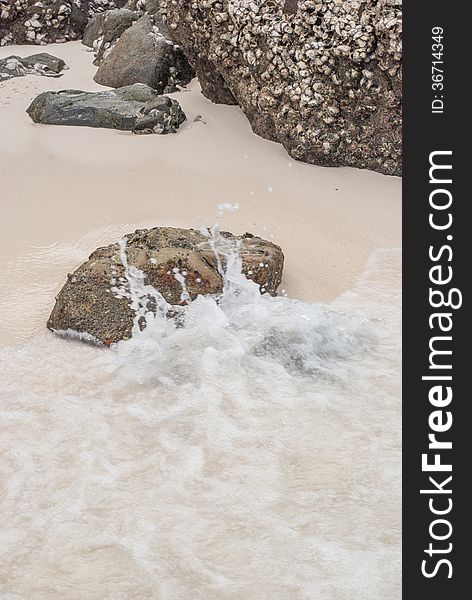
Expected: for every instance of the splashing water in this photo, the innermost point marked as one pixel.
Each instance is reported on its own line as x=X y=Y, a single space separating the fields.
x=240 y=325
x=249 y=449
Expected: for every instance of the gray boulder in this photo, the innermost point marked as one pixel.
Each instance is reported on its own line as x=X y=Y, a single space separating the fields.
x=136 y=108
x=36 y=64
x=78 y=16
x=145 y=54
x=88 y=305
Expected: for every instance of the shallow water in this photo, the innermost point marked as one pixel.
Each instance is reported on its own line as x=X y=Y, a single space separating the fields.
x=252 y=454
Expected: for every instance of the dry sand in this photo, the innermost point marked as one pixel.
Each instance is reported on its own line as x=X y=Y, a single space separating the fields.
x=66 y=190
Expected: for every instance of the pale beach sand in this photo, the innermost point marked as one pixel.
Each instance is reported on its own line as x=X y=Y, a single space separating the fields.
x=65 y=190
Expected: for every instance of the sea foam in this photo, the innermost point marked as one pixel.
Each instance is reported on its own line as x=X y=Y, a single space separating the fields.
x=247 y=449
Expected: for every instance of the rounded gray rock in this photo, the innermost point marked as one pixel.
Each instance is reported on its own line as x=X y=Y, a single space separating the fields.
x=137 y=108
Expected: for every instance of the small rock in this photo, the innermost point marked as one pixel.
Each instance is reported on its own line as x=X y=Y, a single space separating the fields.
x=136 y=108
x=45 y=61
x=36 y=64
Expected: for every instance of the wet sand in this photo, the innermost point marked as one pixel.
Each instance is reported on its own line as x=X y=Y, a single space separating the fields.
x=66 y=190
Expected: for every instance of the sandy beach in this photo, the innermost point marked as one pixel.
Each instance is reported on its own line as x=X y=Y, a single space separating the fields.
x=70 y=189
x=251 y=451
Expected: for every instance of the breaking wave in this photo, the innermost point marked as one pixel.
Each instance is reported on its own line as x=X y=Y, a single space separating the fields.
x=247 y=449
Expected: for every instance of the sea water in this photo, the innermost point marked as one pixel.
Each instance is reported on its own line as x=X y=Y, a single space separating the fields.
x=249 y=449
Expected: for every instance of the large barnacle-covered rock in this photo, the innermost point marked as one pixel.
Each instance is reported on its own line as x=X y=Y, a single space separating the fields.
x=323 y=77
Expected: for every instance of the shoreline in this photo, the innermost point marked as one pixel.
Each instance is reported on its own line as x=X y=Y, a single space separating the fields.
x=248 y=450
x=93 y=185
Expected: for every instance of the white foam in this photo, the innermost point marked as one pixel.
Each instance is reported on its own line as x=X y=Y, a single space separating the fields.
x=250 y=450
